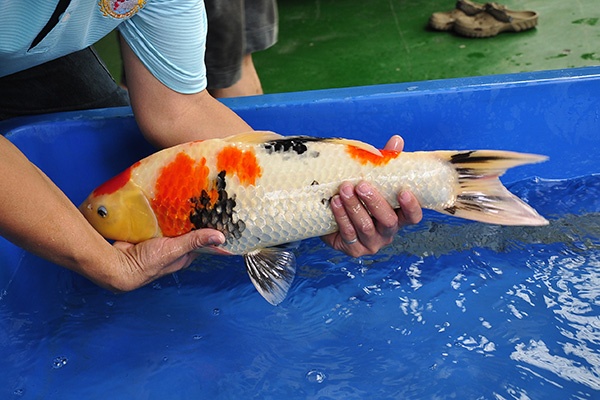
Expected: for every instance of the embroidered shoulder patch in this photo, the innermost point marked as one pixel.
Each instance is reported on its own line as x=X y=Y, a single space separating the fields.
x=120 y=8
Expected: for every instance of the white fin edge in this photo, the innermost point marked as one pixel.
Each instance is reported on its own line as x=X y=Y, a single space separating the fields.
x=272 y=271
x=254 y=137
x=356 y=143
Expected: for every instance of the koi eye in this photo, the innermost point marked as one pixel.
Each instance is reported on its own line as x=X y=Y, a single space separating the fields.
x=102 y=212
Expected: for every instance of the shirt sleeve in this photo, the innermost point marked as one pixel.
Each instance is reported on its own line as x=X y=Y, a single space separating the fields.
x=169 y=37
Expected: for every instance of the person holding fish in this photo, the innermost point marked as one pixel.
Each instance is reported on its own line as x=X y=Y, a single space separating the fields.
x=47 y=65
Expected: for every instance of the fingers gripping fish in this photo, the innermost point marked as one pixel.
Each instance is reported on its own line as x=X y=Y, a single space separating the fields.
x=263 y=190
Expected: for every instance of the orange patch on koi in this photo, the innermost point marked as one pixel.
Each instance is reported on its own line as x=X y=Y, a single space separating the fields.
x=178 y=183
x=364 y=156
x=116 y=183
x=241 y=163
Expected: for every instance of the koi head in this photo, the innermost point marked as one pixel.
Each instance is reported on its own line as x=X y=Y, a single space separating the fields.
x=120 y=210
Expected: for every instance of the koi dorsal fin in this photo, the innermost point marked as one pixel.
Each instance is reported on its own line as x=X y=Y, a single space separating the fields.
x=257 y=137
x=356 y=143
x=254 y=137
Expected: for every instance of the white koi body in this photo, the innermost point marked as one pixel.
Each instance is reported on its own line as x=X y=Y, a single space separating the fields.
x=263 y=190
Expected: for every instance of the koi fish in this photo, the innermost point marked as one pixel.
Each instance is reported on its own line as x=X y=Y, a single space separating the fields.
x=262 y=190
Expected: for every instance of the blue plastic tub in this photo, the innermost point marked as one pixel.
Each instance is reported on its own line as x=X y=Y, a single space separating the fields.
x=61 y=336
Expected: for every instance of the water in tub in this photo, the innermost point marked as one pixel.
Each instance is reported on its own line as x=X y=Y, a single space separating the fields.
x=452 y=309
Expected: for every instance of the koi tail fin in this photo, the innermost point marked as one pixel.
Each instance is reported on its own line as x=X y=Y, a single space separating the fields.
x=481 y=196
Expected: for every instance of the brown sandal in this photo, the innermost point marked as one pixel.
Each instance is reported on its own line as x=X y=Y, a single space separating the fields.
x=496 y=18
x=444 y=21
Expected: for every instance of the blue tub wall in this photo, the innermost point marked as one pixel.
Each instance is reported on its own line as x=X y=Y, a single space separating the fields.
x=556 y=113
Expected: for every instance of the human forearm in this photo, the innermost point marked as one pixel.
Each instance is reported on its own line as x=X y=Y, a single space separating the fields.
x=168 y=118
x=202 y=117
x=37 y=216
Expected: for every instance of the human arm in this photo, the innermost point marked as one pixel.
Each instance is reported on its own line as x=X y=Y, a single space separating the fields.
x=37 y=216
x=366 y=220
x=167 y=117
x=361 y=212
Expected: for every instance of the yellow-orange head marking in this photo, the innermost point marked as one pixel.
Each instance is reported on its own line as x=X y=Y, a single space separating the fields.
x=119 y=210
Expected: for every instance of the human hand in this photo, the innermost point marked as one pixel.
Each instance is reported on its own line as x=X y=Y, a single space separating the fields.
x=144 y=262
x=366 y=220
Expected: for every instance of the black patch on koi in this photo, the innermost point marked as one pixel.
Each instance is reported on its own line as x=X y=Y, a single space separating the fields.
x=296 y=144
x=451 y=210
x=219 y=215
x=326 y=202
x=467 y=158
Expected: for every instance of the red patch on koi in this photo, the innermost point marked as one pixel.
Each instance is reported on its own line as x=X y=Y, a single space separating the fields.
x=365 y=156
x=115 y=183
x=178 y=183
x=241 y=163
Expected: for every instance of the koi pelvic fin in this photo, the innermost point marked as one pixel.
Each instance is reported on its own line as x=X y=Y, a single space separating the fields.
x=481 y=196
x=272 y=271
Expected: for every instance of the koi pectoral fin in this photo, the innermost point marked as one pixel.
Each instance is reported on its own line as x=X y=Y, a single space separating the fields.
x=272 y=271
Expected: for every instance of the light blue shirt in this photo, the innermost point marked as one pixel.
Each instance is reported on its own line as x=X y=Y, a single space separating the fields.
x=167 y=35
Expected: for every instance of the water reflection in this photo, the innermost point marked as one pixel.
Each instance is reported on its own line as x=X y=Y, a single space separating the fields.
x=573 y=296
